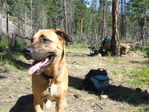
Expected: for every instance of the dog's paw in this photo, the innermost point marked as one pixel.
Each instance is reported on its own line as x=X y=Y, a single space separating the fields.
x=47 y=103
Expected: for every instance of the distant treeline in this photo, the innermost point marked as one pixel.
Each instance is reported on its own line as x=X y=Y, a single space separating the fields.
x=86 y=22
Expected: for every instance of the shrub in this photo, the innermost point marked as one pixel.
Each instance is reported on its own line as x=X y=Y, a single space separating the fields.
x=20 y=43
x=13 y=59
x=4 y=42
x=147 y=51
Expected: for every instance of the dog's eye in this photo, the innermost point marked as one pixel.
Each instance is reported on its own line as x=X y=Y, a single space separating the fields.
x=44 y=39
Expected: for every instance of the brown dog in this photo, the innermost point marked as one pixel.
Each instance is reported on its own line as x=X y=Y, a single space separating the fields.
x=49 y=70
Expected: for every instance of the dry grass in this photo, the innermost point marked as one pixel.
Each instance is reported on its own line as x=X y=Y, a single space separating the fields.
x=122 y=94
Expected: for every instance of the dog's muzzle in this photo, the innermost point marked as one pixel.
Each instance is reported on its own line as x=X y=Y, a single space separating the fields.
x=28 y=51
x=41 y=60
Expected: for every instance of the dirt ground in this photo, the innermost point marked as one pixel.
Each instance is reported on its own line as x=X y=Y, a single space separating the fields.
x=122 y=96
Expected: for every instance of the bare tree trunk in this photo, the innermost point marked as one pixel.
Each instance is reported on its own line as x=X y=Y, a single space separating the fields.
x=43 y=19
x=115 y=33
x=81 y=27
x=7 y=24
x=123 y=23
x=104 y=29
x=65 y=17
x=13 y=41
x=0 y=19
x=25 y=23
x=31 y=22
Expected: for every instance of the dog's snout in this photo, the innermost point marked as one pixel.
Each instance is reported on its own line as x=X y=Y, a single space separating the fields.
x=27 y=50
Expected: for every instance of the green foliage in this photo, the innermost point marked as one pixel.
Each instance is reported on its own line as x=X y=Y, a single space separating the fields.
x=144 y=50
x=85 y=19
x=18 y=6
x=143 y=76
x=138 y=9
x=78 y=46
x=4 y=43
x=147 y=51
x=12 y=58
x=109 y=55
x=13 y=19
x=81 y=12
x=20 y=44
x=53 y=8
x=139 y=77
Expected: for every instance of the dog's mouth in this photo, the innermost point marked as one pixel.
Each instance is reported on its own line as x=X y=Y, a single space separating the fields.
x=39 y=66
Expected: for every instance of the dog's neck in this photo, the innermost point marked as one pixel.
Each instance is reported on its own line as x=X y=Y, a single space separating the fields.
x=49 y=78
x=56 y=67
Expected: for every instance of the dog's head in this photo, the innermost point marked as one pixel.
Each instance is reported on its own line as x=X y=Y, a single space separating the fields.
x=45 y=47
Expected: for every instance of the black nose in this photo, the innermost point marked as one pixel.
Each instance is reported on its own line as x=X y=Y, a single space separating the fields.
x=27 y=50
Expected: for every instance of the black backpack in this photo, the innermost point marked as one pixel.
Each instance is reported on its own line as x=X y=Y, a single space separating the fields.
x=96 y=80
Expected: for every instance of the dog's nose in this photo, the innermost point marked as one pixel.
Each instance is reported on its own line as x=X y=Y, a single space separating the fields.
x=27 y=50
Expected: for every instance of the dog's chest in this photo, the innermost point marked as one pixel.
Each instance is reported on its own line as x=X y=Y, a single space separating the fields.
x=52 y=92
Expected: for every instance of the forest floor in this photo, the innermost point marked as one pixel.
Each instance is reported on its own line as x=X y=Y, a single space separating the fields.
x=129 y=90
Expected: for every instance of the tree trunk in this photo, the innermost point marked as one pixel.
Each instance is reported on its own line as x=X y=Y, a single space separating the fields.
x=65 y=17
x=81 y=27
x=104 y=29
x=123 y=23
x=31 y=22
x=115 y=33
x=7 y=24
x=25 y=23
x=13 y=40
x=0 y=19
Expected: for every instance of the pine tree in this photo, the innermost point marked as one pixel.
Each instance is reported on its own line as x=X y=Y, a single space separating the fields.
x=115 y=33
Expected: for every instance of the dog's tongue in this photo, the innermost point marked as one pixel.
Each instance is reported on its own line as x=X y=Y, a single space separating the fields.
x=34 y=68
x=37 y=66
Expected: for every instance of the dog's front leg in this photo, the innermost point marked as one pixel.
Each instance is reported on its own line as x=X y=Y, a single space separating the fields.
x=38 y=104
x=60 y=104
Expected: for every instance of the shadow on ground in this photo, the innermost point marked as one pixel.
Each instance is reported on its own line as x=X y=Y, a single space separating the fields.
x=24 y=104
x=12 y=59
x=20 y=64
x=117 y=93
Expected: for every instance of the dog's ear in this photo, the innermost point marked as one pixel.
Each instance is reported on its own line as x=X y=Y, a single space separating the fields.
x=63 y=35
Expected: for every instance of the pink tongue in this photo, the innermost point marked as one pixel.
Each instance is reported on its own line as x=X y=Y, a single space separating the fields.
x=34 y=68
x=37 y=66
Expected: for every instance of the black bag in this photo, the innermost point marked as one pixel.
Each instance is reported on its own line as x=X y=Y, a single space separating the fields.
x=96 y=80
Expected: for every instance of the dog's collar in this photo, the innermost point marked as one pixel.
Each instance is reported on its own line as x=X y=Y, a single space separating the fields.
x=47 y=77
